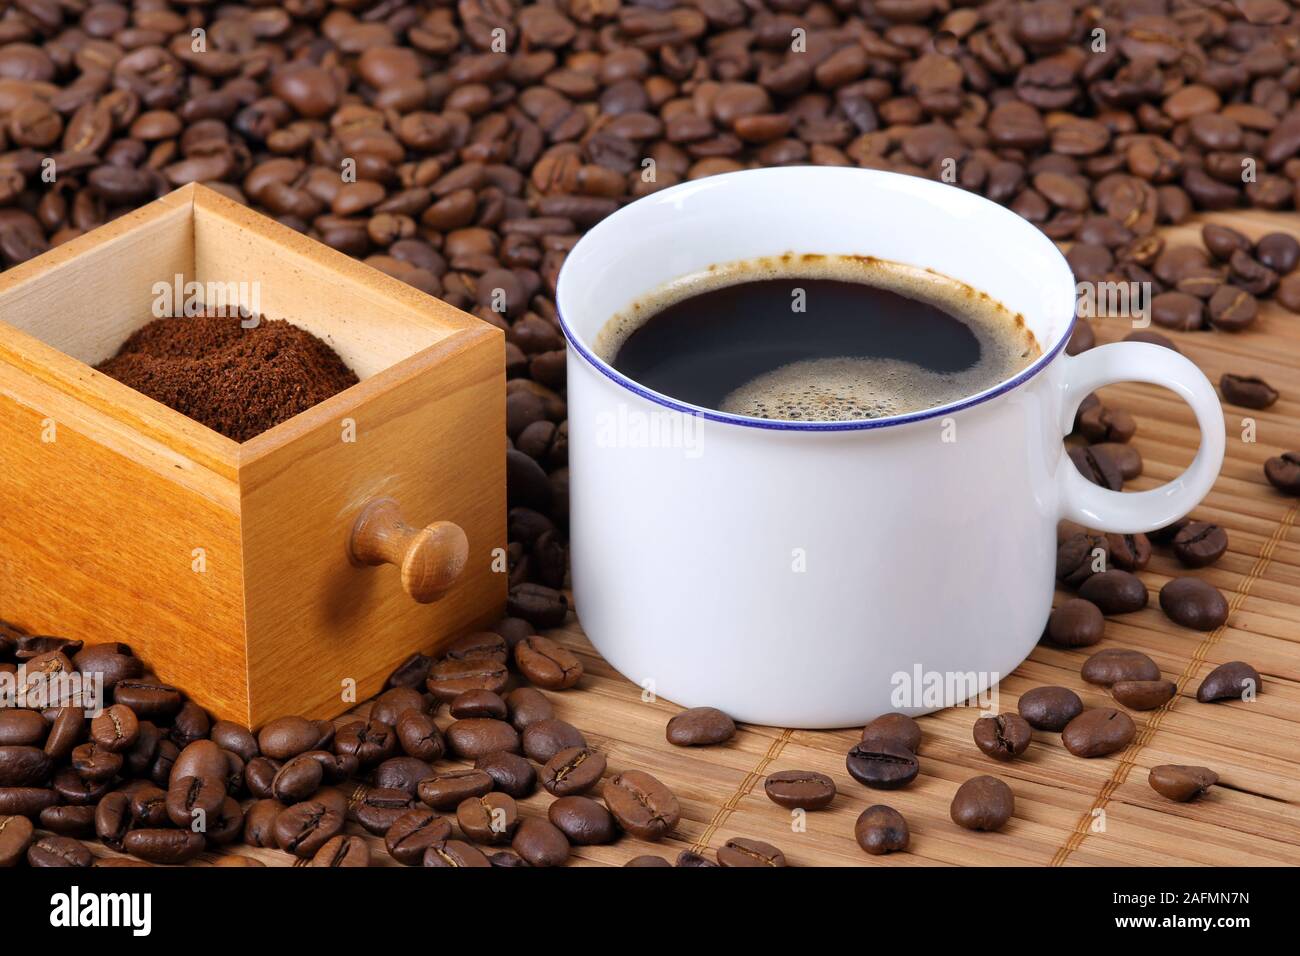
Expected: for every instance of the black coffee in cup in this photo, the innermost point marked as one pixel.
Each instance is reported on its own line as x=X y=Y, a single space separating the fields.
x=817 y=338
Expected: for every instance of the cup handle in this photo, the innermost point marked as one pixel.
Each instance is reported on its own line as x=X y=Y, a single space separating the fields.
x=1104 y=510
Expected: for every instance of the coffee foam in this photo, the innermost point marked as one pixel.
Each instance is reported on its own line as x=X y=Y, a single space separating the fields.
x=850 y=388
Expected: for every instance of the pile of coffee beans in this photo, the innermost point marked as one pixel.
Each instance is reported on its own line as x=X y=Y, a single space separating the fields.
x=153 y=778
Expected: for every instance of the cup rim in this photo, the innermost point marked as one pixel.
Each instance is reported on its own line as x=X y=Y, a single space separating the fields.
x=746 y=421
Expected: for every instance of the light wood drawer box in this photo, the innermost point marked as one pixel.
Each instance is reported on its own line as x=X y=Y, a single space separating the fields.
x=232 y=569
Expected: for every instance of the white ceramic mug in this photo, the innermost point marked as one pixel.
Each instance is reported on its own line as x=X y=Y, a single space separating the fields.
x=793 y=573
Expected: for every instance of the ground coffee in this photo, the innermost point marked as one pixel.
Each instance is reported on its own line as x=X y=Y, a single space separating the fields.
x=237 y=381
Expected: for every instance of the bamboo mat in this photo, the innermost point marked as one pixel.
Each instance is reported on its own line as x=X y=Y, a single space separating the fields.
x=1069 y=811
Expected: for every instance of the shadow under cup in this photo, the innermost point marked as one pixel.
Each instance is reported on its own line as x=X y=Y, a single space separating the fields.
x=813 y=574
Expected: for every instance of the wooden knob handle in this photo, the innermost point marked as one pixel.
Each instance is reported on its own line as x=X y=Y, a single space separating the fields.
x=431 y=559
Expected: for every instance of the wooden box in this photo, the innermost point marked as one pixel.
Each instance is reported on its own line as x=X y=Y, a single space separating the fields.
x=240 y=572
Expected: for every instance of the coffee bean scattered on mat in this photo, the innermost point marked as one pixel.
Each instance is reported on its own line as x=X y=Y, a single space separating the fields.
x=1181 y=783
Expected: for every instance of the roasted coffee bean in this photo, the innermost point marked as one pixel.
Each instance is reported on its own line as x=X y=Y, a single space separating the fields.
x=642 y=805
x=16 y=835
x=446 y=790
x=305 y=827
x=378 y=808
x=22 y=766
x=1100 y=424
x=800 y=789
x=1098 y=467
x=880 y=830
x=1115 y=592
x=477 y=736
x=1143 y=694
x=419 y=736
x=897 y=730
x=1198 y=544
x=743 y=852
x=370 y=741
x=647 y=859
x=66 y=730
x=513 y=629
x=1049 y=708
x=1282 y=472
x=68 y=820
x=547 y=664
x=61 y=851
x=115 y=729
x=113 y=662
x=478 y=703
x=491 y=818
x=1116 y=664
x=389 y=706
x=1223 y=241
x=96 y=764
x=528 y=706
x=1248 y=391
x=148 y=700
x=22 y=728
x=298 y=779
x=882 y=766
x=450 y=678
x=982 y=803
x=259 y=823
x=583 y=821
x=1003 y=737
x=26 y=801
x=540 y=843
x=700 y=726
x=112 y=820
x=1194 y=603
x=1096 y=733
x=479 y=646
x=192 y=800
x=454 y=853
x=287 y=737
x=689 y=859
x=540 y=606
x=202 y=759
x=546 y=738
x=1129 y=552
x=259 y=774
x=1178 y=310
x=238 y=740
x=573 y=770
x=1075 y=623
x=191 y=723
x=399 y=773
x=167 y=847
x=1232 y=308
x=1126 y=458
x=1278 y=251
x=1181 y=783
x=1288 y=293
x=1080 y=555
x=511 y=774
x=412 y=672
x=342 y=851
x=1235 y=680
x=149 y=806
x=413 y=833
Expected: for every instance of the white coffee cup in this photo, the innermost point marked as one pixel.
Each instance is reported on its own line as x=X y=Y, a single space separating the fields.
x=820 y=574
